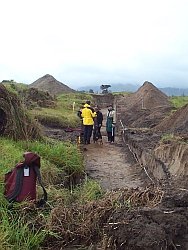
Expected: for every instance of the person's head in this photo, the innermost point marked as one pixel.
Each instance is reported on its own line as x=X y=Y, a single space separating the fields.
x=88 y=102
x=96 y=108
x=110 y=107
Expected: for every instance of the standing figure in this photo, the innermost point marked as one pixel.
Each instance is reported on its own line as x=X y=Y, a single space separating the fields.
x=88 y=115
x=97 y=124
x=110 y=124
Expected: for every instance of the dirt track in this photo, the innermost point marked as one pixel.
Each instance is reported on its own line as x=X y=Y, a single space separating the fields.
x=112 y=165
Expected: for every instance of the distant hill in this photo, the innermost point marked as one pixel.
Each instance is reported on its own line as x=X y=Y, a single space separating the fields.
x=174 y=91
x=51 y=85
x=116 y=87
x=119 y=87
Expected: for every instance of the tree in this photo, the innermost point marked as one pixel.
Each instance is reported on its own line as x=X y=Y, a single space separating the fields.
x=91 y=91
x=104 y=88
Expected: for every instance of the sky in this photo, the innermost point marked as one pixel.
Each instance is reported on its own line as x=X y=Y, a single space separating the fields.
x=83 y=42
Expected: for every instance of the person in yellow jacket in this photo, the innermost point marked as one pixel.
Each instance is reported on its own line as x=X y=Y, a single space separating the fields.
x=88 y=115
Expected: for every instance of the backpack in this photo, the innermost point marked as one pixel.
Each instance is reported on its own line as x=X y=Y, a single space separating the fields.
x=20 y=182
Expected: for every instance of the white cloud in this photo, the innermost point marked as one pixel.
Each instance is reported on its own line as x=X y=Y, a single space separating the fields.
x=86 y=41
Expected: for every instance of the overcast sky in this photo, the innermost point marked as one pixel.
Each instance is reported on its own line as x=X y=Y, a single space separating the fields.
x=83 y=42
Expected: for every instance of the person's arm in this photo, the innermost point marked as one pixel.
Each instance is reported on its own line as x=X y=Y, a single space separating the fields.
x=93 y=114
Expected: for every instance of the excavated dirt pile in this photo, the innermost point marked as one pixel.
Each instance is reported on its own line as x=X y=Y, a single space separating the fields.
x=14 y=121
x=145 y=108
x=177 y=122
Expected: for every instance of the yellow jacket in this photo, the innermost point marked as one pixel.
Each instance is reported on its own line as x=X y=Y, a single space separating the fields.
x=88 y=115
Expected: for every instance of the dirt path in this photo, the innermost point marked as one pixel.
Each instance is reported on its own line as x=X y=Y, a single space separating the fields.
x=112 y=165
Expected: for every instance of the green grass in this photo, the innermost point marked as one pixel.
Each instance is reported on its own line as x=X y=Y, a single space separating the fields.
x=16 y=231
x=166 y=138
x=88 y=191
x=64 y=114
x=16 y=234
x=65 y=156
x=15 y=87
x=179 y=101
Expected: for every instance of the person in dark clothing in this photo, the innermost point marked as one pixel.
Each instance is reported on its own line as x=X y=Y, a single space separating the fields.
x=97 y=124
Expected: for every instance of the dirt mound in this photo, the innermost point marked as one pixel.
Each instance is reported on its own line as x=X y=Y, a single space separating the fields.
x=147 y=229
x=14 y=121
x=144 y=108
x=177 y=122
x=51 y=85
x=150 y=97
x=33 y=97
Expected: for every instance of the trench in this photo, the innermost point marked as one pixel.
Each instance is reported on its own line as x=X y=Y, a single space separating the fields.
x=112 y=165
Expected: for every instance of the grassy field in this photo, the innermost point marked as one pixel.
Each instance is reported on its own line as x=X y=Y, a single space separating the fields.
x=179 y=101
x=64 y=114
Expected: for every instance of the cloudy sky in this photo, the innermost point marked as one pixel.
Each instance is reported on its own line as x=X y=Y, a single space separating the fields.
x=83 y=42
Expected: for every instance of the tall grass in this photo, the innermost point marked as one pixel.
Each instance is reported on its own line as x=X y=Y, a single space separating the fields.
x=16 y=231
x=64 y=155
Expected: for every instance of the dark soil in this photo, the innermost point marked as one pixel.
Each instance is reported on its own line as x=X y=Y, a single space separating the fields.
x=177 y=122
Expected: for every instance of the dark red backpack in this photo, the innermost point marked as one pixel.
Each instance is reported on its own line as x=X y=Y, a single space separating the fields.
x=20 y=183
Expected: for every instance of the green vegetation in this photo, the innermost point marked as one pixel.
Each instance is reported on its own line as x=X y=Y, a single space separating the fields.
x=18 y=225
x=14 y=87
x=22 y=225
x=65 y=112
x=179 y=101
x=167 y=138
x=16 y=234
x=88 y=191
x=123 y=93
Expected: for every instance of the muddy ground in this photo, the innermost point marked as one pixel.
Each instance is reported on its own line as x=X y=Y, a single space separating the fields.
x=112 y=165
